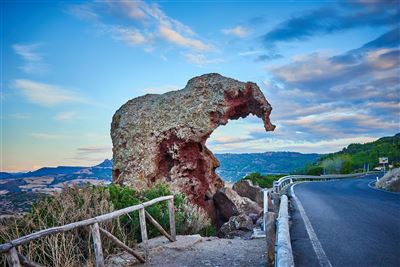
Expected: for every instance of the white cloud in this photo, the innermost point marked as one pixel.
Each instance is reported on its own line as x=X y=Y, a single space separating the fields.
x=128 y=35
x=175 y=37
x=49 y=136
x=249 y=53
x=65 y=116
x=46 y=94
x=33 y=60
x=92 y=154
x=237 y=31
x=151 y=21
x=20 y=116
x=201 y=59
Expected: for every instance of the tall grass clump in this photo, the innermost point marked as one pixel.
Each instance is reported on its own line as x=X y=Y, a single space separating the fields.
x=75 y=247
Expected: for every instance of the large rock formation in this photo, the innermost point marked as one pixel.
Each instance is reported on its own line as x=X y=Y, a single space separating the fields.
x=162 y=137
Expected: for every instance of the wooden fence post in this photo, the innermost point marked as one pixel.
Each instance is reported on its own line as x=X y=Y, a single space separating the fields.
x=98 y=251
x=12 y=257
x=172 y=226
x=143 y=231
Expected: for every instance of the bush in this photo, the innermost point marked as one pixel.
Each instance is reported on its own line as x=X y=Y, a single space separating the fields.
x=264 y=181
x=74 y=248
x=315 y=170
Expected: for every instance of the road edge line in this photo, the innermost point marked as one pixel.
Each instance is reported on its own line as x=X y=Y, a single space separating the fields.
x=319 y=251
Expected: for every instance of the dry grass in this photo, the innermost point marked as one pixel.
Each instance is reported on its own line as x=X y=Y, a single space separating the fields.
x=196 y=218
x=64 y=249
x=75 y=247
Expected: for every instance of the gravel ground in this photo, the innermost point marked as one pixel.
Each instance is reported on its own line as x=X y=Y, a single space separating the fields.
x=198 y=251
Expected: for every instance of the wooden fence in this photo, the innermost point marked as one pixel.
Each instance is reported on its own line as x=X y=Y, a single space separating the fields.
x=15 y=259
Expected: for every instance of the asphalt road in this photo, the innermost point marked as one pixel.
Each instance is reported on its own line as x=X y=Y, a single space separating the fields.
x=347 y=224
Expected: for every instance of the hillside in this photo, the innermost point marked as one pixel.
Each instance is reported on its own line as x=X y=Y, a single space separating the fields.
x=370 y=152
x=236 y=166
x=356 y=157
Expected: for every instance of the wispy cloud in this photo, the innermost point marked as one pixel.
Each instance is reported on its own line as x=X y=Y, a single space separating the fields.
x=130 y=36
x=150 y=23
x=340 y=96
x=65 y=116
x=92 y=154
x=201 y=59
x=325 y=21
x=49 y=136
x=32 y=59
x=46 y=94
x=175 y=37
x=237 y=31
x=20 y=116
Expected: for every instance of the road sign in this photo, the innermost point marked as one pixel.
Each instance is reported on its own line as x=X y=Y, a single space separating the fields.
x=383 y=160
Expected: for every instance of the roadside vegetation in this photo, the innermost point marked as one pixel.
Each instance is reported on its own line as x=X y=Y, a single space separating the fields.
x=264 y=181
x=74 y=248
x=355 y=157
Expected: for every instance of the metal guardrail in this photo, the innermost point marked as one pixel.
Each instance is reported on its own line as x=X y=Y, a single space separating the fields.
x=289 y=179
x=283 y=246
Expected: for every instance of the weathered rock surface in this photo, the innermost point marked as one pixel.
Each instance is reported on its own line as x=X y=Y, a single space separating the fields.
x=162 y=137
x=236 y=226
x=391 y=181
x=243 y=204
x=224 y=207
x=245 y=188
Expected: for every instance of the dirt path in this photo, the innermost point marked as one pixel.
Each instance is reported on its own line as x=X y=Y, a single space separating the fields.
x=199 y=251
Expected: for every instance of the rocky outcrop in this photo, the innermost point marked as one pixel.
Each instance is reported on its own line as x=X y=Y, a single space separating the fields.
x=236 y=226
x=245 y=188
x=390 y=181
x=224 y=208
x=243 y=204
x=162 y=137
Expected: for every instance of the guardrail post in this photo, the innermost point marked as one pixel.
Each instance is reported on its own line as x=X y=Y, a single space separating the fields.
x=98 y=251
x=171 y=212
x=265 y=207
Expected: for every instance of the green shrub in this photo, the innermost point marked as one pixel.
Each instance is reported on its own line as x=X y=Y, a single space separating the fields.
x=315 y=170
x=74 y=248
x=264 y=181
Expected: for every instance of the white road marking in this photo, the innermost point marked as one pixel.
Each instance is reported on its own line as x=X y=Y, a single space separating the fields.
x=319 y=251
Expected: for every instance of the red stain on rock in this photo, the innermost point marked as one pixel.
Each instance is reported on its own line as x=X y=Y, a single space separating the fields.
x=162 y=137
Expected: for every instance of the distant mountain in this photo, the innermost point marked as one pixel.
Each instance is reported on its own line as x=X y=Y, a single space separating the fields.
x=233 y=167
x=5 y=175
x=107 y=163
x=236 y=166
x=60 y=170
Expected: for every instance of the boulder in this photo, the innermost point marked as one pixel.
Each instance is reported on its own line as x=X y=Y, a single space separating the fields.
x=224 y=207
x=162 y=137
x=245 y=188
x=390 y=181
x=236 y=226
x=243 y=204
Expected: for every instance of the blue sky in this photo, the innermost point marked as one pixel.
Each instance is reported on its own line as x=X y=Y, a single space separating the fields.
x=329 y=69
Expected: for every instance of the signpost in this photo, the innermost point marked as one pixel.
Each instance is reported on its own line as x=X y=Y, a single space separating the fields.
x=384 y=161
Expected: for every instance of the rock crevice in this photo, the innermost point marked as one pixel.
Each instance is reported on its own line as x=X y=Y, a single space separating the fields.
x=162 y=137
